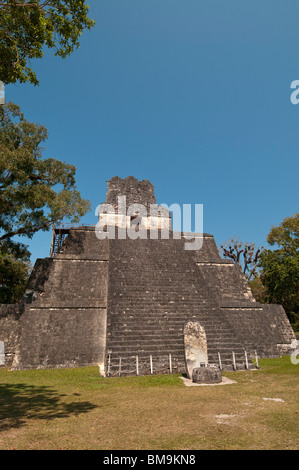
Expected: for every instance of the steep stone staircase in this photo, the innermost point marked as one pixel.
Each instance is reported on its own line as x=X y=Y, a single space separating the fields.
x=155 y=287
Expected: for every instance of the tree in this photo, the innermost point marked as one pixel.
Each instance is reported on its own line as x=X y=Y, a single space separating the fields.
x=280 y=267
x=15 y=268
x=244 y=254
x=258 y=290
x=26 y=26
x=286 y=235
x=29 y=196
x=34 y=194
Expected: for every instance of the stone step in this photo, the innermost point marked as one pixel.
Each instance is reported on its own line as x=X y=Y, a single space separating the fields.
x=151 y=304
x=160 y=348
x=143 y=334
x=226 y=355
x=145 y=356
x=128 y=366
x=164 y=316
x=143 y=300
x=169 y=310
x=159 y=327
x=157 y=339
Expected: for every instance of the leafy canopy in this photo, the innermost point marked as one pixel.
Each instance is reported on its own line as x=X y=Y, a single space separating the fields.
x=15 y=268
x=273 y=275
x=26 y=26
x=280 y=267
x=286 y=235
x=34 y=192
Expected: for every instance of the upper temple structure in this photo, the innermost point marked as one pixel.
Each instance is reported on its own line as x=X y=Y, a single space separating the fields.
x=131 y=304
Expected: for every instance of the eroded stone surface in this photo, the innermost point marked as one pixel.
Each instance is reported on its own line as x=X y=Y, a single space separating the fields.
x=2 y=355
x=207 y=375
x=195 y=341
x=225 y=381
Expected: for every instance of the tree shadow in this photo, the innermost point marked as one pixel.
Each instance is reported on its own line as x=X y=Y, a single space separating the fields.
x=20 y=403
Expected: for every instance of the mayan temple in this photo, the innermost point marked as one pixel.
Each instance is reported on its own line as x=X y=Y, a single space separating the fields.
x=124 y=304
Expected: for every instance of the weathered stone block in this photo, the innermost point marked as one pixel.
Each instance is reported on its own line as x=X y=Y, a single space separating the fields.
x=195 y=341
x=206 y=375
x=2 y=353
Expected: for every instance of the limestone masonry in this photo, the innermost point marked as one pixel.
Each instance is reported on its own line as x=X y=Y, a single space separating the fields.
x=124 y=304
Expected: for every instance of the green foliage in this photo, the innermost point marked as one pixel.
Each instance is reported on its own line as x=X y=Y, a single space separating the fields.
x=280 y=267
x=34 y=193
x=26 y=26
x=14 y=271
x=14 y=274
x=286 y=235
x=273 y=275
x=258 y=290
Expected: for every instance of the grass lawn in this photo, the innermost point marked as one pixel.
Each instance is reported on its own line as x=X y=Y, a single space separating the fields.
x=76 y=409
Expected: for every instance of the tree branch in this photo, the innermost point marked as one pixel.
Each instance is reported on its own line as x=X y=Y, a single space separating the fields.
x=23 y=230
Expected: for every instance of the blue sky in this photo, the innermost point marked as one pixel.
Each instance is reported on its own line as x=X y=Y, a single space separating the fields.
x=193 y=95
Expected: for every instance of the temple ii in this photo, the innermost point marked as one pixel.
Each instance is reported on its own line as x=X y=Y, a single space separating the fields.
x=134 y=305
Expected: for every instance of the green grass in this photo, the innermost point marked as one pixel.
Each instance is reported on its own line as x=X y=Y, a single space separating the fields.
x=76 y=409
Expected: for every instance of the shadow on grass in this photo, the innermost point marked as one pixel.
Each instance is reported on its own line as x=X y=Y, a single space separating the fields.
x=20 y=403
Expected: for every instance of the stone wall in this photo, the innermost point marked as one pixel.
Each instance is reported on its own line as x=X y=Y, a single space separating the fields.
x=9 y=330
x=155 y=287
x=125 y=299
x=61 y=337
x=136 y=192
x=280 y=326
x=64 y=321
